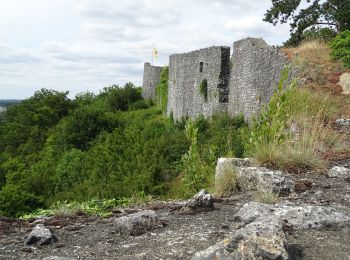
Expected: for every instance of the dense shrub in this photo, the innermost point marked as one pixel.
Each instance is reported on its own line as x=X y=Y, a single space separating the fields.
x=340 y=46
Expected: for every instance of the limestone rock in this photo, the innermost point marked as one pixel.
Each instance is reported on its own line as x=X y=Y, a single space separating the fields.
x=294 y=216
x=339 y=172
x=138 y=223
x=41 y=235
x=263 y=239
x=264 y=180
x=262 y=236
x=225 y=164
x=201 y=202
x=344 y=81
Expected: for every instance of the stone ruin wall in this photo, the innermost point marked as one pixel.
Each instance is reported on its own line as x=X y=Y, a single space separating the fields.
x=244 y=88
x=254 y=77
x=186 y=72
x=151 y=77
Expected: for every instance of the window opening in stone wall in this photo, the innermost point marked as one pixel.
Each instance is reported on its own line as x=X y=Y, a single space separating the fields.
x=201 y=64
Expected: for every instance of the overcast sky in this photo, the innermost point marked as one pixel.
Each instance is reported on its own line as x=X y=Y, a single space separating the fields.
x=85 y=45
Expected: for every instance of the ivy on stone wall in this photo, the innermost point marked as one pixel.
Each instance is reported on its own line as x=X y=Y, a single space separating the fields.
x=162 y=89
x=203 y=89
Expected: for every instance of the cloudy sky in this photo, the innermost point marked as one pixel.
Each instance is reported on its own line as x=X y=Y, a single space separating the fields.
x=85 y=45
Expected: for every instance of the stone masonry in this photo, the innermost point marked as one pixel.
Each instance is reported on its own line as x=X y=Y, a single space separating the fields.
x=255 y=74
x=187 y=71
x=151 y=77
x=240 y=86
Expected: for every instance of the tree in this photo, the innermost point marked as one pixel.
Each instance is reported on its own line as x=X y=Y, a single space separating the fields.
x=333 y=14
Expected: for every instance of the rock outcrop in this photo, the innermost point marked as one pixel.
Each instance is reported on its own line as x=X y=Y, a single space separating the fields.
x=138 y=223
x=261 y=234
x=41 y=235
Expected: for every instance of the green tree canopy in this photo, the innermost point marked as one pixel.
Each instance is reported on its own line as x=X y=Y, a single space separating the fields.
x=330 y=13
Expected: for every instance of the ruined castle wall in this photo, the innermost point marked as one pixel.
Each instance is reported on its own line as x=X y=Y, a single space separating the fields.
x=254 y=76
x=151 y=77
x=186 y=72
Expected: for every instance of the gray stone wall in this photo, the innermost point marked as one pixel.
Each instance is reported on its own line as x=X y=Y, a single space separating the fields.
x=151 y=77
x=254 y=76
x=186 y=72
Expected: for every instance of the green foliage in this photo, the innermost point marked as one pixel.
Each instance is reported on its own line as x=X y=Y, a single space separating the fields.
x=119 y=99
x=196 y=173
x=330 y=14
x=162 y=89
x=270 y=125
x=319 y=33
x=340 y=46
x=14 y=201
x=114 y=145
x=203 y=89
x=101 y=208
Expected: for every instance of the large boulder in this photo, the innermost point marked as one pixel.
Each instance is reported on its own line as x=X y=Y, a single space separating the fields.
x=259 y=240
x=339 y=172
x=225 y=164
x=41 y=235
x=261 y=234
x=264 y=180
x=294 y=216
x=138 y=223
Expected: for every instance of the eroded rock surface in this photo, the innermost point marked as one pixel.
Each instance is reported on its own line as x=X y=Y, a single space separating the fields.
x=264 y=180
x=40 y=236
x=201 y=202
x=261 y=234
x=339 y=172
x=138 y=223
x=226 y=164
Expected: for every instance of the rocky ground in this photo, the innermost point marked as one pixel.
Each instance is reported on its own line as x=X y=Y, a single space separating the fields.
x=310 y=221
x=180 y=235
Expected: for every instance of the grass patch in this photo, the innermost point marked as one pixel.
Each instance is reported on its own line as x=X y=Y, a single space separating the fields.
x=226 y=184
x=273 y=142
x=102 y=208
x=266 y=197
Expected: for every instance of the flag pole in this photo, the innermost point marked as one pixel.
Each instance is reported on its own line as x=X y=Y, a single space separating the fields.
x=152 y=53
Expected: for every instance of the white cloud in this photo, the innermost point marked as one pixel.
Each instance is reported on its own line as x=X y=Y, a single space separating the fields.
x=81 y=45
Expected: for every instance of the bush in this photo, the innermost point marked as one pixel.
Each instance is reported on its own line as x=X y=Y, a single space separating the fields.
x=321 y=34
x=203 y=89
x=340 y=46
x=14 y=201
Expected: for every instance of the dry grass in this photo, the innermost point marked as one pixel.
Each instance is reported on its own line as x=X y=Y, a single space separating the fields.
x=266 y=198
x=226 y=184
x=303 y=150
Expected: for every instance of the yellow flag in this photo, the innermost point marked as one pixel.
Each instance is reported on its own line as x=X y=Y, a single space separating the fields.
x=155 y=53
